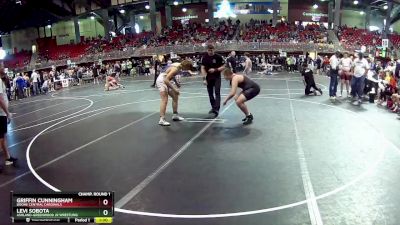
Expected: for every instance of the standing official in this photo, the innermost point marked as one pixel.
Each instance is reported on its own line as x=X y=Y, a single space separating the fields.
x=211 y=66
x=334 y=73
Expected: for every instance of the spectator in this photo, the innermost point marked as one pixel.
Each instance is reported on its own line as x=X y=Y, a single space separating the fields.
x=45 y=86
x=5 y=118
x=357 y=83
x=334 y=64
x=35 y=82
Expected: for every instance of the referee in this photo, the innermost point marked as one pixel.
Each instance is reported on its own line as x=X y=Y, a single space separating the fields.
x=211 y=66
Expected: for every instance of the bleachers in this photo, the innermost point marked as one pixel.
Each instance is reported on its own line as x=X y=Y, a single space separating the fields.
x=395 y=39
x=191 y=34
x=359 y=37
x=65 y=51
x=284 y=33
x=18 y=60
x=352 y=36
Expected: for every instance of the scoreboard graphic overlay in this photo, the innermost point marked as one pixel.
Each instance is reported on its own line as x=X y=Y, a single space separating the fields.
x=77 y=207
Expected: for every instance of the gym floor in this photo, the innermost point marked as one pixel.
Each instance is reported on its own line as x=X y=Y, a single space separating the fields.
x=304 y=160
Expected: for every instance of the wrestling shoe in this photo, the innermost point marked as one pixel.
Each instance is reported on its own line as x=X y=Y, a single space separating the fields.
x=216 y=113
x=176 y=117
x=163 y=123
x=213 y=114
x=320 y=91
x=11 y=161
x=248 y=120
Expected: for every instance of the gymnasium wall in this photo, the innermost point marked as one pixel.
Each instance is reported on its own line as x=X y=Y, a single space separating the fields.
x=64 y=31
x=19 y=40
x=303 y=11
x=91 y=28
x=396 y=26
x=352 y=18
x=145 y=23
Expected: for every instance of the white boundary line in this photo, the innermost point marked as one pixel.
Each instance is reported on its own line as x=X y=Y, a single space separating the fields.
x=51 y=115
x=21 y=125
x=75 y=121
x=105 y=109
x=262 y=89
x=136 y=190
x=49 y=121
x=201 y=121
x=116 y=92
x=72 y=151
x=205 y=119
x=315 y=215
x=366 y=173
x=345 y=186
x=51 y=106
x=26 y=102
x=32 y=170
x=57 y=128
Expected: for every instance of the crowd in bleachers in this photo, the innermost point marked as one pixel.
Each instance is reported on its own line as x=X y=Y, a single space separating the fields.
x=262 y=31
x=193 y=33
x=383 y=77
x=356 y=37
x=17 y=60
x=196 y=33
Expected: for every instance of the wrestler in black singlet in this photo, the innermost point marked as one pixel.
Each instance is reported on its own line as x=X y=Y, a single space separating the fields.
x=250 y=89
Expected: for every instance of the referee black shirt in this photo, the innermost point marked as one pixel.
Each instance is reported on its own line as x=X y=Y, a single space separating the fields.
x=209 y=62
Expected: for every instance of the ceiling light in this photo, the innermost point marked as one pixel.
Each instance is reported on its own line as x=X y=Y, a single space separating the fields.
x=92 y=17
x=176 y=2
x=362 y=13
x=122 y=11
x=385 y=7
x=141 y=17
x=355 y=2
x=315 y=6
x=184 y=9
x=147 y=7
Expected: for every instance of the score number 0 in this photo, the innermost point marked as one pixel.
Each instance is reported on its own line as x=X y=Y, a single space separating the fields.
x=105 y=203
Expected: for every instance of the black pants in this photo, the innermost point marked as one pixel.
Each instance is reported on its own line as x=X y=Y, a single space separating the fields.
x=155 y=77
x=3 y=126
x=310 y=83
x=214 y=85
